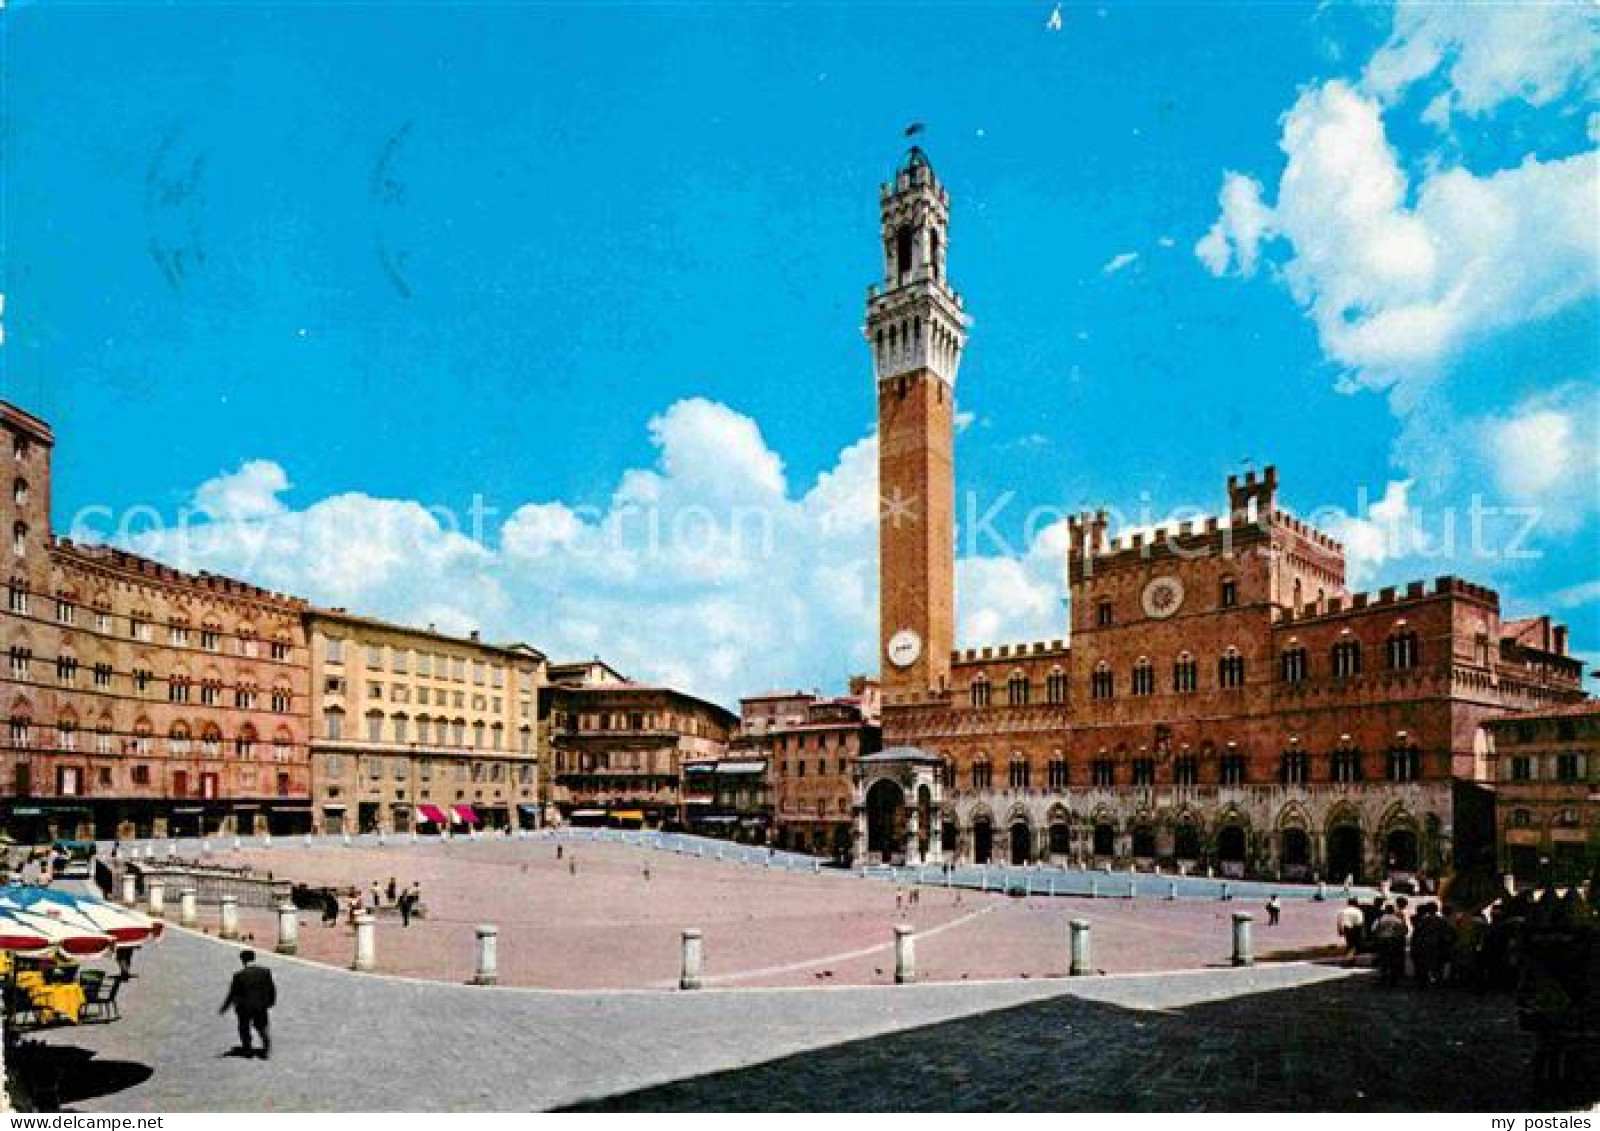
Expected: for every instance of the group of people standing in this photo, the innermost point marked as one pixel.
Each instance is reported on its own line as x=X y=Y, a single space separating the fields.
x=1445 y=946
x=404 y=899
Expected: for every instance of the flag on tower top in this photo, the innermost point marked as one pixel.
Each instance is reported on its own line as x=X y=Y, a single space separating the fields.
x=914 y=129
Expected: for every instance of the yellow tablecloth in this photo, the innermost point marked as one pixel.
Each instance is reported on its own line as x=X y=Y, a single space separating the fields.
x=64 y=1000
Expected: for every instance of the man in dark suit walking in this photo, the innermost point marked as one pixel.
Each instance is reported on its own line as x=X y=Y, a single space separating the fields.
x=252 y=994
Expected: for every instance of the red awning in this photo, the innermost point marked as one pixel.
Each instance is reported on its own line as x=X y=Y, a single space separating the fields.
x=431 y=814
x=466 y=815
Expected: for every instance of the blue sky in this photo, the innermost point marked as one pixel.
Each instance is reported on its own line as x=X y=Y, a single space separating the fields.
x=312 y=269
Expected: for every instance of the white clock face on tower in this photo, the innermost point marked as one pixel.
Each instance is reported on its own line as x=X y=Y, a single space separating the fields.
x=904 y=648
x=1163 y=596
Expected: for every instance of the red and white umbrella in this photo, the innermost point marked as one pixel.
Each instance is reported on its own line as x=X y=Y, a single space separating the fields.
x=21 y=938
x=66 y=932
x=127 y=927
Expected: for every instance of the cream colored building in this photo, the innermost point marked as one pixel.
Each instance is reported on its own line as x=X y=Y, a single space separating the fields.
x=413 y=728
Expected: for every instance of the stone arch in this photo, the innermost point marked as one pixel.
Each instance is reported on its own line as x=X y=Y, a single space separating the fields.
x=886 y=816
x=1231 y=840
x=1344 y=839
x=1400 y=839
x=1296 y=857
x=1058 y=823
x=1019 y=836
x=981 y=823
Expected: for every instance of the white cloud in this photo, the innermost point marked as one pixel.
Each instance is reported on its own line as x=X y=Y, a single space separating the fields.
x=1545 y=453
x=1235 y=239
x=1576 y=596
x=1400 y=273
x=1384 y=531
x=1487 y=54
x=250 y=492
x=703 y=569
x=1120 y=262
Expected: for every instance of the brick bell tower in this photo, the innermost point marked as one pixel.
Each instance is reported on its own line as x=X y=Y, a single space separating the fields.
x=916 y=328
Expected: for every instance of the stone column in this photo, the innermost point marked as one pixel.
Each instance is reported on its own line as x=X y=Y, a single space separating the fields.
x=488 y=969
x=689 y=979
x=1243 y=955
x=905 y=954
x=1172 y=889
x=1080 y=948
x=288 y=928
x=156 y=892
x=188 y=908
x=229 y=928
x=366 y=943
x=130 y=889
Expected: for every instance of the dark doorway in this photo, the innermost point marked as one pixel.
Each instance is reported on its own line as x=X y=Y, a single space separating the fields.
x=947 y=836
x=1294 y=851
x=1230 y=844
x=1400 y=850
x=1344 y=853
x=886 y=818
x=1144 y=842
x=1105 y=840
x=982 y=840
x=924 y=820
x=1021 y=843
x=1186 y=842
x=1060 y=839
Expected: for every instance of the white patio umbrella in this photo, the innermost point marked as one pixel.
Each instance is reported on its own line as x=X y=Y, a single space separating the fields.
x=66 y=931
x=128 y=927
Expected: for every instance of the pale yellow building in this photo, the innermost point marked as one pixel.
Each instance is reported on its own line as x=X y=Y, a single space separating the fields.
x=416 y=729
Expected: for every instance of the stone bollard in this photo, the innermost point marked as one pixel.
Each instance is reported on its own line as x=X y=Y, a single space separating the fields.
x=1094 y=888
x=1322 y=892
x=1243 y=955
x=288 y=928
x=266 y=840
x=347 y=840
x=366 y=943
x=816 y=867
x=1226 y=892
x=1133 y=888
x=130 y=889
x=237 y=844
x=1080 y=948
x=308 y=840
x=229 y=925
x=381 y=840
x=205 y=848
x=488 y=971
x=172 y=848
x=689 y=979
x=905 y=955
x=1172 y=889
x=156 y=892
x=1508 y=881
x=1052 y=885
x=188 y=908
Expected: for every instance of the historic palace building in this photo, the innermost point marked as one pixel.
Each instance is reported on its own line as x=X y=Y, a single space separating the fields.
x=140 y=700
x=418 y=730
x=621 y=751
x=1545 y=770
x=811 y=745
x=1224 y=701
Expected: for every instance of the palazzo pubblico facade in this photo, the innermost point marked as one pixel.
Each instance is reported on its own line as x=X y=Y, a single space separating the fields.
x=1225 y=701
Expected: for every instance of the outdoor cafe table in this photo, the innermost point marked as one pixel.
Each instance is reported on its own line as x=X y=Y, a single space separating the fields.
x=53 y=999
